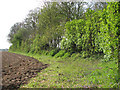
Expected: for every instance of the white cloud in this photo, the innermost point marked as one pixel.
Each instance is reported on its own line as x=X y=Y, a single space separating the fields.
x=12 y=11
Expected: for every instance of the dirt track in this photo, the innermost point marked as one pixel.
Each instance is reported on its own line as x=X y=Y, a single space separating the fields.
x=18 y=69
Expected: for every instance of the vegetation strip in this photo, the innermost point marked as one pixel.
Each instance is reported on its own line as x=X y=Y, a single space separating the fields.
x=67 y=35
x=74 y=72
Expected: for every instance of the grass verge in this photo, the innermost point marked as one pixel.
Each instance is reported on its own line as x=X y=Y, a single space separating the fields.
x=74 y=72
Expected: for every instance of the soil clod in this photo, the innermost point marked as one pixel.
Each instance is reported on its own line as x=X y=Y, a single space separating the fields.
x=18 y=69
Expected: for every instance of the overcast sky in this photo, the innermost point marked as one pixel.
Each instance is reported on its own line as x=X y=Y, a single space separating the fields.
x=12 y=11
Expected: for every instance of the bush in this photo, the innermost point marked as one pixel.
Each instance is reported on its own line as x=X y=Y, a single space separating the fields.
x=60 y=53
x=98 y=32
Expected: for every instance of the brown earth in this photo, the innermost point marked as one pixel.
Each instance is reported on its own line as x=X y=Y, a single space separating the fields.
x=18 y=69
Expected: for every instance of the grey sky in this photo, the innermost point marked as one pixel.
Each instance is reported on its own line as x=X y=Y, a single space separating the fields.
x=12 y=11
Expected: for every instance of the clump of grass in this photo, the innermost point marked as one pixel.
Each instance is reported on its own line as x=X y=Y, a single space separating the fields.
x=60 y=53
x=76 y=56
x=53 y=52
x=67 y=54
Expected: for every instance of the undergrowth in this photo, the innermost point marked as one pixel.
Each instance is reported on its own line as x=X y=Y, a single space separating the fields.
x=74 y=71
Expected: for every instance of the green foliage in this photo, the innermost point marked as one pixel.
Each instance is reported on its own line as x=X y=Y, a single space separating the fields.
x=51 y=26
x=27 y=47
x=53 y=52
x=72 y=40
x=66 y=55
x=36 y=44
x=43 y=28
x=60 y=53
x=80 y=34
x=17 y=39
x=43 y=52
x=108 y=37
x=76 y=55
x=107 y=75
x=96 y=33
x=75 y=73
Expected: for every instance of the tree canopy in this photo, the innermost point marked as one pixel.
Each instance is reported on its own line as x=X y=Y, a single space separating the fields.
x=73 y=26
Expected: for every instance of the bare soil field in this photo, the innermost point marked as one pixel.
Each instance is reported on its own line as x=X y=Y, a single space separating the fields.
x=18 y=69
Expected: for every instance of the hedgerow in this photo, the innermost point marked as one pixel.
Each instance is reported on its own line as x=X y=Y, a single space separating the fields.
x=96 y=33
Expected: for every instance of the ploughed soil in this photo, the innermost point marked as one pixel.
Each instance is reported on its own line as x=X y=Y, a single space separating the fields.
x=18 y=69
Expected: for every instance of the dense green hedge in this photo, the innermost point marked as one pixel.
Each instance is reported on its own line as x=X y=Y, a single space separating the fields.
x=94 y=34
x=108 y=36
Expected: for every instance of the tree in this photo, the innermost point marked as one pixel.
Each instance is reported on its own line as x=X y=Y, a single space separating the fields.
x=72 y=10
x=14 y=29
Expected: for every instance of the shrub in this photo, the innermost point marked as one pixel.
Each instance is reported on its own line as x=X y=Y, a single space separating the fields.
x=98 y=32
